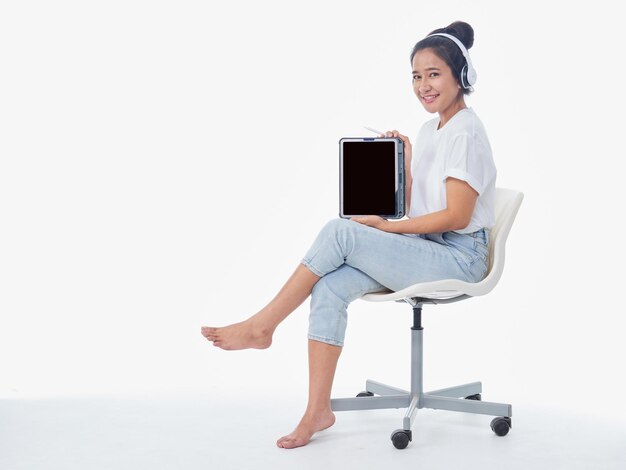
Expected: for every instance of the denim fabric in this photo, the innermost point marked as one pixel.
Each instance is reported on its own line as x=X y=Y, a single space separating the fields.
x=354 y=259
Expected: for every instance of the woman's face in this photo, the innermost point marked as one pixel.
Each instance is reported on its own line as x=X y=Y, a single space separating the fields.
x=435 y=86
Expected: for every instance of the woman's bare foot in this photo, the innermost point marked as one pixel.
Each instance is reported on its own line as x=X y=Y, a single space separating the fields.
x=309 y=425
x=243 y=335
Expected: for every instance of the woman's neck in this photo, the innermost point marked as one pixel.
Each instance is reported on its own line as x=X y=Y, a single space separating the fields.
x=449 y=112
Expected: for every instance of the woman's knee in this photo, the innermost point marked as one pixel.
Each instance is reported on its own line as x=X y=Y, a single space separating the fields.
x=345 y=284
x=336 y=225
x=330 y=298
x=341 y=231
x=323 y=289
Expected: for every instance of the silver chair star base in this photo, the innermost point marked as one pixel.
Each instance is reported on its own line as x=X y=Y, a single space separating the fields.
x=464 y=398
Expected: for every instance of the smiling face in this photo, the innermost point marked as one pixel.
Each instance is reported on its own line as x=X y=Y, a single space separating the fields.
x=435 y=86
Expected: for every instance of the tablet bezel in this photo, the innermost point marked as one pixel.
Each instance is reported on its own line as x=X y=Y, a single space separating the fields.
x=399 y=176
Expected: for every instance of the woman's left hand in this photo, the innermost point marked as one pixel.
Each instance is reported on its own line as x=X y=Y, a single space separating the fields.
x=372 y=221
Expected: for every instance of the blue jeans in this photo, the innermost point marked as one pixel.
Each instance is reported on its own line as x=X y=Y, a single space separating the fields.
x=353 y=259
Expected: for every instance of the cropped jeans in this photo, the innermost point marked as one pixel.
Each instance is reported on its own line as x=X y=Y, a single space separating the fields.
x=353 y=259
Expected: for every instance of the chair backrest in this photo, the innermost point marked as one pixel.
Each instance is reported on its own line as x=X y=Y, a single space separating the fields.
x=508 y=202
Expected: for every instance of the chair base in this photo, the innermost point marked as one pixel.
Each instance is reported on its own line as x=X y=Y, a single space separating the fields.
x=451 y=399
x=462 y=398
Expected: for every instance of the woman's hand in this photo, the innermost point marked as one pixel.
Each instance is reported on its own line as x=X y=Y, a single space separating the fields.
x=372 y=221
x=408 y=148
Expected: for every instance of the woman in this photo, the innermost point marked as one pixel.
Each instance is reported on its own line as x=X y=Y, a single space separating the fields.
x=450 y=207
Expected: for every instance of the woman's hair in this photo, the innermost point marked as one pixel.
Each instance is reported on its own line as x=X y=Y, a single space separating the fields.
x=446 y=49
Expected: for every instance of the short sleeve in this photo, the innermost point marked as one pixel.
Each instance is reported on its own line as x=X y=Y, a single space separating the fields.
x=460 y=162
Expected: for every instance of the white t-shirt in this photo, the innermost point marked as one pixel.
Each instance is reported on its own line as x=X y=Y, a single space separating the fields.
x=460 y=149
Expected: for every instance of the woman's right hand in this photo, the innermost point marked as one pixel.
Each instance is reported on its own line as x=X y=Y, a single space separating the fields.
x=408 y=148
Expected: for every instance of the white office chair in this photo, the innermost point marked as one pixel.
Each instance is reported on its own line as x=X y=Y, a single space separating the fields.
x=465 y=398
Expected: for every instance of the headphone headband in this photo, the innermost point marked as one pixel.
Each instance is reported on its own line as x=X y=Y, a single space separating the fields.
x=468 y=74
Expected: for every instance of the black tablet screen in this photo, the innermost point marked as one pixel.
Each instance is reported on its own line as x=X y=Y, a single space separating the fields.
x=369 y=173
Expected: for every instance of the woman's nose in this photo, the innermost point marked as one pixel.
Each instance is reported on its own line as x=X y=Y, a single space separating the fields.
x=424 y=86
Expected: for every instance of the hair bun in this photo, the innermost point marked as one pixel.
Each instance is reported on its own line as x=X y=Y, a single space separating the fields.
x=460 y=30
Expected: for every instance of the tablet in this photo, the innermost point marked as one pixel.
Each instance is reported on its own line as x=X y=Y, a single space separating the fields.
x=371 y=177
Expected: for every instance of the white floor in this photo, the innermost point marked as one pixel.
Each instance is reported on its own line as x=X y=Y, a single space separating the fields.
x=195 y=432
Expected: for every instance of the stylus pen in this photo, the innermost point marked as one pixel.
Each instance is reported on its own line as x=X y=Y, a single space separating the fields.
x=374 y=130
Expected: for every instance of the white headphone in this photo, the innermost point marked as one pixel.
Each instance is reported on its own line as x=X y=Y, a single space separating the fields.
x=468 y=73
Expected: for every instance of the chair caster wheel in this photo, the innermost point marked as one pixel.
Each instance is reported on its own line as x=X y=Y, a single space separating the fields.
x=365 y=394
x=501 y=426
x=401 y=438
x=477 y=397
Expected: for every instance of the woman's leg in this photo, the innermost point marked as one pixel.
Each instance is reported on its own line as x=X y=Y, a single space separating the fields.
x=256 y=332
x=318 y=415
x=327 y=325
x=396 y=261
x=348 y=259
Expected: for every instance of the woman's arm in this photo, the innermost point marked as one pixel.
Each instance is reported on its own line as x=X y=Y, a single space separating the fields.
x=461 y=199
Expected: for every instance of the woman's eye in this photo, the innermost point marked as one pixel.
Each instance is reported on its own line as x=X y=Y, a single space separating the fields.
x=416 y=77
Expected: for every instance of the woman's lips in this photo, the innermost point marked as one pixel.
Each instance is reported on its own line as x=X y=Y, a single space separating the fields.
x=429 y=98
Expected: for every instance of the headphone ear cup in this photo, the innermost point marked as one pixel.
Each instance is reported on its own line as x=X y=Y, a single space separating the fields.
x=470 y=76
x=464 y=82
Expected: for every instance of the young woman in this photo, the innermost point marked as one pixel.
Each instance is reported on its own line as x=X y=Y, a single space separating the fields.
x=450 y=207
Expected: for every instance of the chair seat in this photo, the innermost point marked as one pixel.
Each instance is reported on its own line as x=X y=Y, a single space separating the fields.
x=436 y=290
x=508 y=202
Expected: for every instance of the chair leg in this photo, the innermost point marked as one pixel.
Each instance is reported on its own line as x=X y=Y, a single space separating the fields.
x=459 y=391
x=466 y=406
x=407 y=422
x=382 y=389
x=370 y=403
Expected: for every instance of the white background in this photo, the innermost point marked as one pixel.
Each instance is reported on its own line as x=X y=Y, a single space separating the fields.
x=165 y=165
